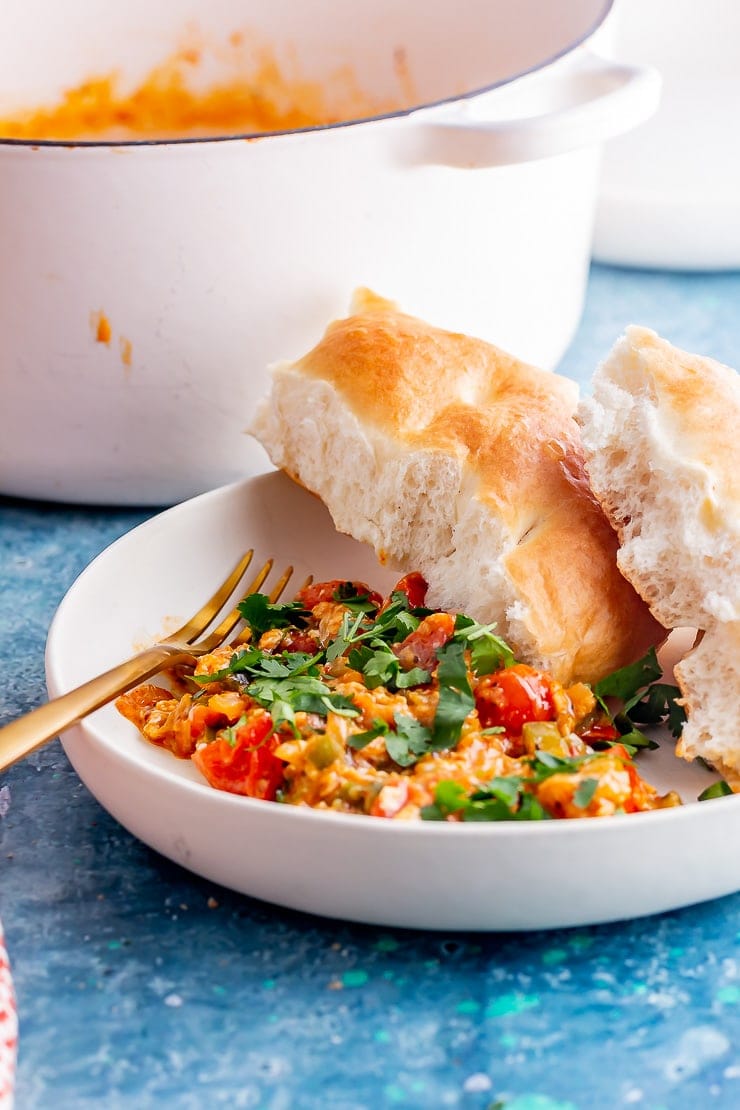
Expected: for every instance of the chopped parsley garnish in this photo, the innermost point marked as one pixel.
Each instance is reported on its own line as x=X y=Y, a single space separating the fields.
x=284 y=684
x=393 y=624
x=411 y=740
x=501 y=799
x=456 y=699
x=643 y=699
x=348 y=594
x=488 y=653
x=262 y=614
x=717 y=790
x=360 y=740
x=585 y=792
x=381 y=667
x=510 y=798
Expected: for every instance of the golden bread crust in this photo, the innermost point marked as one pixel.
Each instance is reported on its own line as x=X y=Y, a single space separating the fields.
x=511 y=427
x=701 y=398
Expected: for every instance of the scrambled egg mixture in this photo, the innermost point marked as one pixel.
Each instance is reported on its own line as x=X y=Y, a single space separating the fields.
x=343 y=700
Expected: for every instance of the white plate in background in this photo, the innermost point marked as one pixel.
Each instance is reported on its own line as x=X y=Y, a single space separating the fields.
x=670 y=190
x=417 y=874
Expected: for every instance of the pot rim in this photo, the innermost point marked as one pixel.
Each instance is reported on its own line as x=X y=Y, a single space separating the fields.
x=401 y=113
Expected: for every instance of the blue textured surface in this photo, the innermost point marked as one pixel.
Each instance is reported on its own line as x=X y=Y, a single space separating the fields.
x=139 y=985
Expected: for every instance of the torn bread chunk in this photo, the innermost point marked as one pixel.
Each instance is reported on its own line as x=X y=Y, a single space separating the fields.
x=709 y=678
x=453 y=458
x=662 y=440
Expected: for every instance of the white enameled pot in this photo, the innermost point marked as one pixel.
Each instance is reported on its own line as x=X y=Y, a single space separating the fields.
x=471 y=203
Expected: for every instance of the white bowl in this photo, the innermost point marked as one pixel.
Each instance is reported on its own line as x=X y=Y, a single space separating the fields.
x=418 y=874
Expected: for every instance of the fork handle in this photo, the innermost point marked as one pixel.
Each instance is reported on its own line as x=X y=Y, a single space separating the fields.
x=31 y=731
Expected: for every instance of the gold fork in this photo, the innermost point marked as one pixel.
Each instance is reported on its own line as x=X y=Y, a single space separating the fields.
x=30 y=732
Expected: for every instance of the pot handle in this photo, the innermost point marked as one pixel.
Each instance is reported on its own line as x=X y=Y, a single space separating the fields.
x=597 y=100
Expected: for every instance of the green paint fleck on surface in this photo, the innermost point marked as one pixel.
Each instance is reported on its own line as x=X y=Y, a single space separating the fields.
x=554 y=956
x=218 y=989
x=729 y=995
x=389 y=974
x=382 y=1036
x=431 y=964
x=113 y=944
x=639 y=988
x=580 y=942
x=468 y=1006
x=386 y=944
x=356 y=978
x=508 y=1040
x=268 y=984
x=417 y=1086
x=507 y=1004
x=394 y=1093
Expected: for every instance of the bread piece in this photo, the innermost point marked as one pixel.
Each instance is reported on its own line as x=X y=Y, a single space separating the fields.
x=455 y=459
x=661 y=436
x=709 y=678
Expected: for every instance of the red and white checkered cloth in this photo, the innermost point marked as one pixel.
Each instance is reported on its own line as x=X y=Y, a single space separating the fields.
x=8 y=1030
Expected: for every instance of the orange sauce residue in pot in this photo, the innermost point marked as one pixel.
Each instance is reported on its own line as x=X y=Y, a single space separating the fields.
x=170 y=102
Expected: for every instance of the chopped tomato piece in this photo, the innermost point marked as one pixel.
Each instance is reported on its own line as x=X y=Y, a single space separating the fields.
x=332 y=590
x=513 y=696
x=419 y=649
x=415 y=587
x=390 y=799
x=220 y=709
x=249 y=766
x=599 y=733
x=294 y=640
x=137 y=704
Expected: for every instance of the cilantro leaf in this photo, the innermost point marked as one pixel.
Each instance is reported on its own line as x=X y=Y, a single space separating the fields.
x=504 y=798
x=262 y=614
x=544 y=764
x=676 y=714
x=360 y=740
x=631 y=737
x=585 y=792
x=628 y=683
x=358 y=601
x=644 y=699
x=660 y=702
x=345 y=637
x=381 y=667
x=284 y=684
x=449 y=798
x=240 y=663
x=456 y=699
x=396 y=621
x=716 y=790
x=301 y=693
x=488 y=653
x=409 y=742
